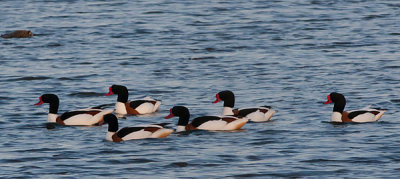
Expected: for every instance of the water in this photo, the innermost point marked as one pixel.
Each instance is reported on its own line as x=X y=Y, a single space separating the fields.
x=289 y=55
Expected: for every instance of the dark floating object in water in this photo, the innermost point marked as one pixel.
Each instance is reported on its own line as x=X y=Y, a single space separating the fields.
x=202 y=58
x=180 y=164
x=18 y=34
x=50 y=125
x=86 y=94
x=210 y=49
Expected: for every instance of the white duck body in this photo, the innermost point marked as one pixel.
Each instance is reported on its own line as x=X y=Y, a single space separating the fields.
x=222 y=125
x=87 y=118
x=372 y=115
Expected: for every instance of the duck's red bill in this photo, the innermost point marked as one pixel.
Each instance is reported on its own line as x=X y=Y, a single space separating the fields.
x=218 y=99
x=110 y=92
x=40 y=101
x=170 y=115
x=329 y=100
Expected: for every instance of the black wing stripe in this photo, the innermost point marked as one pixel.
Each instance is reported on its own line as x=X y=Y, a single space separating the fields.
x=245 y=112
x=356 y=113
x=127 y=130
x=67 y=115
x=137 y=103
x=201 y=120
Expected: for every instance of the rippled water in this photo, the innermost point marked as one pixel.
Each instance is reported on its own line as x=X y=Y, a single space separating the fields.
x=286 y=54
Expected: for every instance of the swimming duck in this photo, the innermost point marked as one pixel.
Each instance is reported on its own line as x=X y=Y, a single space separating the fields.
x=257 y=114
x=131 y=133
x=123 y=106
x=204 y=122
x=82 y=117
x=366 y=114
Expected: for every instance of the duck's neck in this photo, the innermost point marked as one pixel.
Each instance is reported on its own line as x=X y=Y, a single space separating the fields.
x=53 y=108
x=227 y=111
x=183 y=119
x=339 y=105
x=120 y=108
x=112 y=129
x=52 y=117
x=229 y=100
x=123 y=95
x=338 y=109
x=113 y=126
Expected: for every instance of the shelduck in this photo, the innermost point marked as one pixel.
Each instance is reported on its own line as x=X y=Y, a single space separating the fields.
x=123 y=106
x=204 y=122
x=131 y=133
x=82 y=117
x=366 y=114
x=257 y=114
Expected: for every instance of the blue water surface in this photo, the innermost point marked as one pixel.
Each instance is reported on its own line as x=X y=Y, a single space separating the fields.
x=286 y=54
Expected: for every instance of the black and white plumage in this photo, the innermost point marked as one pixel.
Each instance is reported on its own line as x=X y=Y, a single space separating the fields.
x=123 y=106
x=255 y=114
x=136 y=132
x=205 y=122
x=81 y=117
x=366 y=114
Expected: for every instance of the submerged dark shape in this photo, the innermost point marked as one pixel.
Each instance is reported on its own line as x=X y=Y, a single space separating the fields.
x=18 y=34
